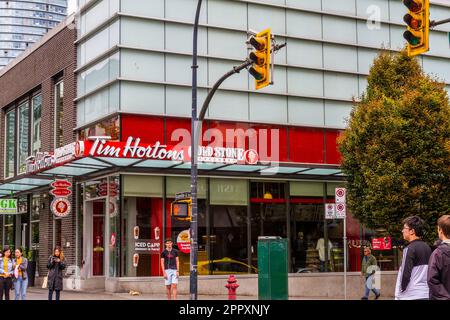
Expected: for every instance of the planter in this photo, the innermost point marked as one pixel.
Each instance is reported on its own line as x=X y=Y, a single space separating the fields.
x=31 y=271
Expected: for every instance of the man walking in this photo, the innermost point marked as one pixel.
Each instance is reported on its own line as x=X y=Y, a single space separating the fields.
x=412 y=275
x=368 y=266
x=439 y=267
x=170 y=265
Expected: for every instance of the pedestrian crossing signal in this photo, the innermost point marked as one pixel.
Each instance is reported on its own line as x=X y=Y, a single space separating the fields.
x=181 y=209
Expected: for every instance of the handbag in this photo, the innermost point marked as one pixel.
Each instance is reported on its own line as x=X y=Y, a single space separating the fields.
x=45 y=282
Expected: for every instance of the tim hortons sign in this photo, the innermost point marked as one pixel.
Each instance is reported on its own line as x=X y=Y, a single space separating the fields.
x=134 y=148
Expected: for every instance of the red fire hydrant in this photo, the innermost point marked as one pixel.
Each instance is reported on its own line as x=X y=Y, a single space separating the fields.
x=232 y=287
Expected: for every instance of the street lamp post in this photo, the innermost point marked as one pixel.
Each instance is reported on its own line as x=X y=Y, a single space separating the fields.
x=194 y=158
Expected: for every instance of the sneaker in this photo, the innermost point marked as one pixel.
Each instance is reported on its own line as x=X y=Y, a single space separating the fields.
x=364 y=298
x=377 y=296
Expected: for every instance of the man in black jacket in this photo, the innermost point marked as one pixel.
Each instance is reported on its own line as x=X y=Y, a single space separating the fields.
x=412 y=275
x=439 y=265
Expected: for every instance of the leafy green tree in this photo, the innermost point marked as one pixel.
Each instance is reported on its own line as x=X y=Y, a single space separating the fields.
x=395 y=149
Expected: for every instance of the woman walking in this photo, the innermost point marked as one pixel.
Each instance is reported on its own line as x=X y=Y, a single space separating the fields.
x=55 y=265
x=6 y=273
x=21 y=276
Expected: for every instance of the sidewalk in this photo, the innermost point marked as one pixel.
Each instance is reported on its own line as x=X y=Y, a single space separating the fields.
x=42 y=294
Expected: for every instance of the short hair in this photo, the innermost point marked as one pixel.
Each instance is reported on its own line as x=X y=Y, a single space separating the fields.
x=415 y=223
x=20 y=250
x=168 y=240
x=368 y=248
x=444 y=225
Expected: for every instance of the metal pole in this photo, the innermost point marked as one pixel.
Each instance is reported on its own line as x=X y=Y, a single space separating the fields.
x=194 y=172
x=345 y=257
x=434 y=23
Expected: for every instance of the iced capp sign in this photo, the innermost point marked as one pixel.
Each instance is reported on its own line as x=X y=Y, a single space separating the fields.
x=8 y=206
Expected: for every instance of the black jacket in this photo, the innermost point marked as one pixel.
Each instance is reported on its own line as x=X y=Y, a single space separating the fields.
x=439 y=273
x=55 y=273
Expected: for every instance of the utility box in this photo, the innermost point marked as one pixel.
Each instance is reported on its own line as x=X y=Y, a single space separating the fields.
x=272 y=268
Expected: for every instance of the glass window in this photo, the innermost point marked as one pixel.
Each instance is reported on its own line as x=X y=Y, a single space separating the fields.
x=341 y=86
x=268 y=108
x=309 y=112
x=339 y=29
x=341 y=6
x=36 y=130
x=109 y=127
x=10 y=141
x=34 y=224
x=226 y=242
x=304 y=24
x=145 y=66
x=220 y=11
x=24 y=128
x=59 y=113
x=304 y=53
x=142 y=97
x=114 y=225
x=228 y=105
x=9 y=230
x=142 y=33
x=268 y=217
x=305 y=82
x=259 y=17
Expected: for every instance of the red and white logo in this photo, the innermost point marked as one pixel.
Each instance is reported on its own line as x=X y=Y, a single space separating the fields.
x=251 y=156
x=61 y=207
x=79 y=149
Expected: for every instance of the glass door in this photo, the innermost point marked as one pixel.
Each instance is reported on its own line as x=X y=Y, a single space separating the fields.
x=98 y=231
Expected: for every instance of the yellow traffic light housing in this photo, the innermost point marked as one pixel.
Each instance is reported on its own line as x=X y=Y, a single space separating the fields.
x=260 y=57
x=418 y=26
x=181 y=209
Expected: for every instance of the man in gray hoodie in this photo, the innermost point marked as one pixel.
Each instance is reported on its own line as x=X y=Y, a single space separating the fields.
x=439 y=265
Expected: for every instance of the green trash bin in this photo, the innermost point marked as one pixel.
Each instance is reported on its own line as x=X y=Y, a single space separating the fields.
x=272 y=268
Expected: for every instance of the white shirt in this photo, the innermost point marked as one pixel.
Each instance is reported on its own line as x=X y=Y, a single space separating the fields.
x=321 y=248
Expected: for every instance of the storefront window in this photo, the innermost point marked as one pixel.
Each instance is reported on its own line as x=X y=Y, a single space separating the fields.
x=268 y=213
x=10 y=155
x=37 y=107
x=24 y=118
x=34 y=221
x=9 y=230
x=227 y=242
x=142 y=223
x=59 y=98
x=109 y=127
x=114 y=225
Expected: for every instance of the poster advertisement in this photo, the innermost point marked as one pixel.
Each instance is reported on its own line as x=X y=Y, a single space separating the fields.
x=384 y=243
x=184 y=241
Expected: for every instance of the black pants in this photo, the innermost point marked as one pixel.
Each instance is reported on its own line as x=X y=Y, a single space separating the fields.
x=50 y=294
x=5 y=287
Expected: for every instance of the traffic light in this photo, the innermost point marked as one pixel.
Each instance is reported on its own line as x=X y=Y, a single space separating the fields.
x=418 y=26
x=181 y=209
x=260 y=57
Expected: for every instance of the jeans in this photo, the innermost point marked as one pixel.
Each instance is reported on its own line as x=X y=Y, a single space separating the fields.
x=20 y=288
x=367 y=289
x=5 y=287
x=50 y=294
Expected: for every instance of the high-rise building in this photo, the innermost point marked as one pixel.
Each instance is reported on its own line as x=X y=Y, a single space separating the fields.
x=22 y=23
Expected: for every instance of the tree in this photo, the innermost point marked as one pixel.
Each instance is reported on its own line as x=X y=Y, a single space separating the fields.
x=395 y=150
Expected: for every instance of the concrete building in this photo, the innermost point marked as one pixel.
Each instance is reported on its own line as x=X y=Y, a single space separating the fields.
x=22 y=23
x=133 y=81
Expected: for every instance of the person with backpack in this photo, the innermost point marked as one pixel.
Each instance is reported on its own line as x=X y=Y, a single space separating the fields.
x=439 y=265
x=368 y=266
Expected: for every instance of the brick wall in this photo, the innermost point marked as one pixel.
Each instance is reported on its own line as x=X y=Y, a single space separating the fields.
x=37 y=71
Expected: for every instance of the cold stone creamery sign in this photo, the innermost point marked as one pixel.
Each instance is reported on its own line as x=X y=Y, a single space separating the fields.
x=46 y=160
x=8 y=206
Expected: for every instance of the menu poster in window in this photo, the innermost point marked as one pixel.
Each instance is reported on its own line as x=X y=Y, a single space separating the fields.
x=184 y=241
x=384 y=243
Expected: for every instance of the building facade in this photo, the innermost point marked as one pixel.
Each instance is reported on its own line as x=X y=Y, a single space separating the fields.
x=273 y=162
x=22 y=23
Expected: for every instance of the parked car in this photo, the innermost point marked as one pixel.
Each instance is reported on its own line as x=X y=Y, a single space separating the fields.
x=223 y=266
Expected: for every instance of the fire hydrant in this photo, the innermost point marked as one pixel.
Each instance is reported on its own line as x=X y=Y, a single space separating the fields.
x=232 y=287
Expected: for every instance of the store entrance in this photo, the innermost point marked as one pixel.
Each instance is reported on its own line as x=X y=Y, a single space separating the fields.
x=98 y=229
x=94 y=235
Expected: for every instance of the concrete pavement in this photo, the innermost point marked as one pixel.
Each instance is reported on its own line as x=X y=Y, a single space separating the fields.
x=35 y=293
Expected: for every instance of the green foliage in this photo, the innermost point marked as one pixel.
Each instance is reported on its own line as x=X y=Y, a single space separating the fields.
x=395 y=150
